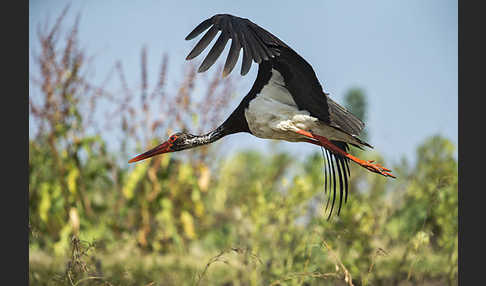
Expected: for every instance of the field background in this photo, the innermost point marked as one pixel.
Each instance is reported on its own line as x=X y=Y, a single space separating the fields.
x=212 y=215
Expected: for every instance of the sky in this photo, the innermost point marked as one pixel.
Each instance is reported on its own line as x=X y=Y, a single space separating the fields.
x=403 y=54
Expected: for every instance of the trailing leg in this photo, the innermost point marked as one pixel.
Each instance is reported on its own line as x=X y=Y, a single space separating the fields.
x=324 y=142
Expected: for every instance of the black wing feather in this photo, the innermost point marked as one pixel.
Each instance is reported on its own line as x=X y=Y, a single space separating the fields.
x=253 y=44
x=215 y=52
x=302 y=83
x=203 y=43
x=233 y=54
x=199 y=29
x=247 y=55
x=258 y=42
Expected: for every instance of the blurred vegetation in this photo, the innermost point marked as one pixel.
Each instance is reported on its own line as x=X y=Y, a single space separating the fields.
x=355 y=100
x=194 y=218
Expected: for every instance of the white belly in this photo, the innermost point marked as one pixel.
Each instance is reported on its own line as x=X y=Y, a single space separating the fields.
x=273 y=114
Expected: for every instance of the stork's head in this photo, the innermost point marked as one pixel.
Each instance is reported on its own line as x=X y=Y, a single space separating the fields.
x=176 y=142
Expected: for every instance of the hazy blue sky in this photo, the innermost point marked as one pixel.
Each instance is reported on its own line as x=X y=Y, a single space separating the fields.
x=402 y=53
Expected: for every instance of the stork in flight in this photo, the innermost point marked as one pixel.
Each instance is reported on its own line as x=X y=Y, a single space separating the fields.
x=286 y=101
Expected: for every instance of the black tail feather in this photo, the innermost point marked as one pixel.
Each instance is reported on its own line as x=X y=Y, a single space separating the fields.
x=343 y=173
x=328 y=191
x=334 y=187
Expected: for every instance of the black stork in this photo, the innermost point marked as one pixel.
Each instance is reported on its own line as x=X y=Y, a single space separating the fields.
x=286 y=101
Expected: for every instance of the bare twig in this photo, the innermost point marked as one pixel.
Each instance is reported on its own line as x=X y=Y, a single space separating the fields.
x=347 y=276
x=219 y=258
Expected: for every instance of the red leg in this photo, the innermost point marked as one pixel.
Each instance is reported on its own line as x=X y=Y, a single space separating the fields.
x=323 y=141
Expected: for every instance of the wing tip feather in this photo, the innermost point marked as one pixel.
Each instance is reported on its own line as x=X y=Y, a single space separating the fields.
x=260 y=44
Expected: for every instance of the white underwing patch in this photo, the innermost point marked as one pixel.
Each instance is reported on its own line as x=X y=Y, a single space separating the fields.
x=273 y=114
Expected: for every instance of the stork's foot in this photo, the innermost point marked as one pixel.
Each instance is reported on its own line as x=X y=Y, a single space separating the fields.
x=376 y=168
x=323 y=141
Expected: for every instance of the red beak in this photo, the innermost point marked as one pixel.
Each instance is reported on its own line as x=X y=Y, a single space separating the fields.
x=161 y=149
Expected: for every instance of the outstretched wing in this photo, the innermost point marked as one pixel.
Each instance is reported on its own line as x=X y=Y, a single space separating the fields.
x=257 y=43
x=264 y=48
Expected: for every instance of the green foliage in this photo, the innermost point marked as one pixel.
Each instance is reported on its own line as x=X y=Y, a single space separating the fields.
x=262 y=206
x=355 y=101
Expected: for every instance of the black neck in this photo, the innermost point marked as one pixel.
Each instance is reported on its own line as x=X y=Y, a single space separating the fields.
x=208 y=138
x=236 y=122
